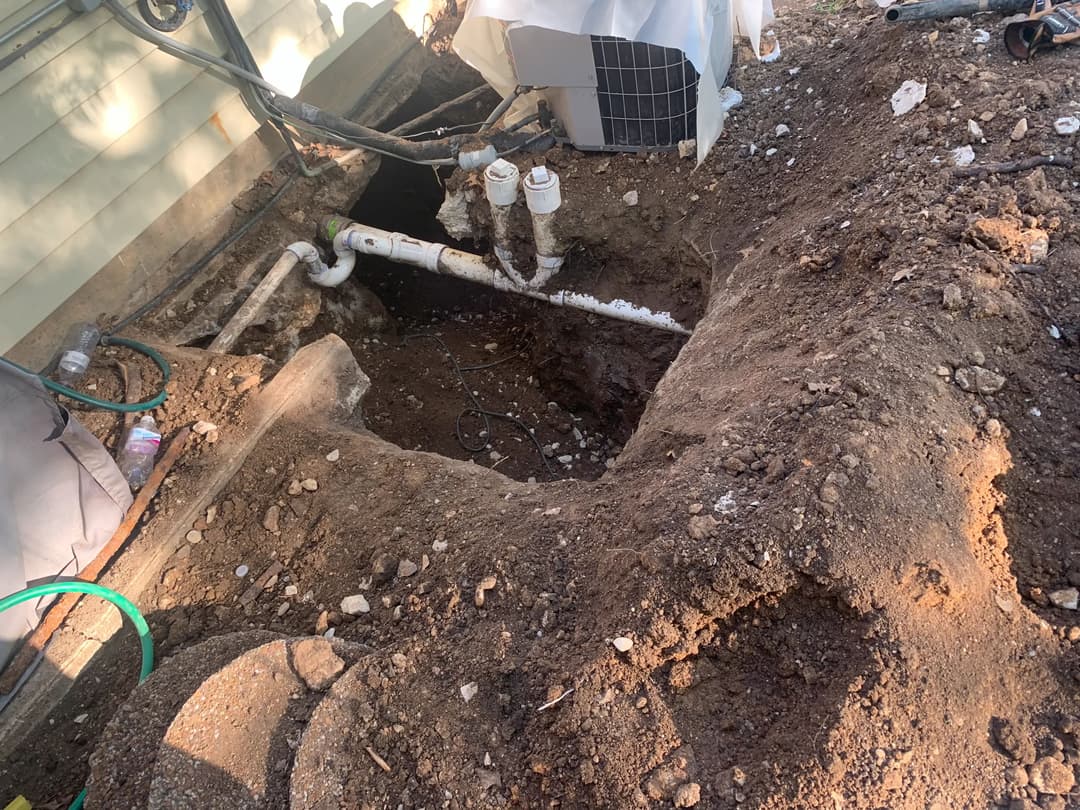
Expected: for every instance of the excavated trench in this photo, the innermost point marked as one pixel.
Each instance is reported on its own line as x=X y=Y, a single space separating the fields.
x=563 y=390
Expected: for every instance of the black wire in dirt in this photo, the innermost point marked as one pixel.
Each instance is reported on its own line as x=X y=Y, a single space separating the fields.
x=201 y=265
x=477 y=409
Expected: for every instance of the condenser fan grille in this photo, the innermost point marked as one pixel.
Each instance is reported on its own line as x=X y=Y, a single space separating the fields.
x=647 y=94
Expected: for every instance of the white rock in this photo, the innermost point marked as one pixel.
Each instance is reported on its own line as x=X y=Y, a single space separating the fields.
x=469 y=690
x=355 y=605
x=688 y=149
x=1020 y=130
x=333 y=455
x=1069 y=125
x=241 y=571
x=194 y=537
x=729 y=98
x=771 y=151
x=80 y=719
x=291 y=590
x=622 y=644
x=1066 y=598
x=630 y=198
x=782 y=130
x=963 y=156
x=203 y=427
x=309 y=484
x=974 y=130
x=910 y=95
x=565 y=459
x=981 y=37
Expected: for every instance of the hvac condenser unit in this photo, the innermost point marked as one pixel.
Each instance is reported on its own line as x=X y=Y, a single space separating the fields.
x=608 y=93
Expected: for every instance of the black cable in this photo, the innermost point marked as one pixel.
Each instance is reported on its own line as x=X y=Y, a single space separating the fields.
x=201 y=265
x=477 y=408
x=494 y=363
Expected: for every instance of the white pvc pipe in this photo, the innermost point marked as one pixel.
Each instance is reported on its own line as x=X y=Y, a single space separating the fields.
x=258 y=298
x=468 y=266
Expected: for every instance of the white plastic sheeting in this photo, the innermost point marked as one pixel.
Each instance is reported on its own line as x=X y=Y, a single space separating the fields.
x=703 y=29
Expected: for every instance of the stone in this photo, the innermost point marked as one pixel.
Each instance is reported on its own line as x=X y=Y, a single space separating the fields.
x=567 y=459
x=291 y=590
x=333 y=455
x=383 y=568
x=355 y=605
x=485 y=585
x=406 y=568
x=909 y=96
x=316 y=663
x=622 y=644
x=963 y=156
x=699 y=527
x=1069 y=125
x=202 y=427
x=688 y=795
x=295 y=488
x=952 y=298
x=322 y=624
x=283 y=608
x=630 y=198
x=271 y=520
x=194 y=537
x=309 y=484
x=1065 y=598
x=992 y=428
x=1048 y=775
x=1020 y=130
x=974 y=130
x=469 y=690
x=979 y=380
x=688 y=149
x=782 y=130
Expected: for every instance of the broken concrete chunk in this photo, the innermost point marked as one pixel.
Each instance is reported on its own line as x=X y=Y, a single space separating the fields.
x=469 y=690
x=355 y=605
x=963 y=156
x=316 y=663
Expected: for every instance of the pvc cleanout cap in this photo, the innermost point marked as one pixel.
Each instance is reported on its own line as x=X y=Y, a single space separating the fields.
x=542 y=193
x=501 y=180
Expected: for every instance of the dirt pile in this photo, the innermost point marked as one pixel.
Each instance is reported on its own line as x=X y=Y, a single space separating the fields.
x=839 y=544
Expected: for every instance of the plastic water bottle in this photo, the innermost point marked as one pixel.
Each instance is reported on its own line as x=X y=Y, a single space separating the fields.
x=141 y=446
x=77 y=350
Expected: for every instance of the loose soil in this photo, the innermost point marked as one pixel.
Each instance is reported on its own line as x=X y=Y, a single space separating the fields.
x=834 y=562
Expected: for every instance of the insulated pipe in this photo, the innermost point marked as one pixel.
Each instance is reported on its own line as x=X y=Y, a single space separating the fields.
x=445 y=260
x=544 y=198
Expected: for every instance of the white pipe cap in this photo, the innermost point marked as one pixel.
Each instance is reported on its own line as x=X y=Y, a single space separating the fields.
x=501 y=180
x=542 y=192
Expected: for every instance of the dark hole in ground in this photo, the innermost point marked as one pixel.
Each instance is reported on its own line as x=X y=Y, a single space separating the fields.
x=578 y=383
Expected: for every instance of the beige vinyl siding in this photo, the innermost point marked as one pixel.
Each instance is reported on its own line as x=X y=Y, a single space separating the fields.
x=100 y=133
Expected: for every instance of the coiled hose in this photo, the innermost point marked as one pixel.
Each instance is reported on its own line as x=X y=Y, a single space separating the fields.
x=146 y=642
x=104 y=404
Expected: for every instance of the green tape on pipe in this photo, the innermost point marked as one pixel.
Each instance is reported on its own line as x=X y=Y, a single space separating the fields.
x=146 y=641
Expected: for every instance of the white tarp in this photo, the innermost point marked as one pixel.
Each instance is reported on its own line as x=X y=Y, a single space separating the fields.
x=703 y=29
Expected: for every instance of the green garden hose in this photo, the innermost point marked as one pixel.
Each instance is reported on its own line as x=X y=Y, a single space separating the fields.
x=119 y=600
x=104 y=404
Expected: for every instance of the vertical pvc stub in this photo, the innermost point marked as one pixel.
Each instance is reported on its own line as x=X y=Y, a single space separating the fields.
x=501 y=180
x=542 y=192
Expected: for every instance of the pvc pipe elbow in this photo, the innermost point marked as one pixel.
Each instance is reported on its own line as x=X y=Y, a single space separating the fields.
x=317 y=270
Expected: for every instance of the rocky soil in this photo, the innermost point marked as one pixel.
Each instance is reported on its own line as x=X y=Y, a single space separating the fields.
x=836 y=564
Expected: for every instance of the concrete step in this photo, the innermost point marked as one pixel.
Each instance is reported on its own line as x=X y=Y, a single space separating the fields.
x=123 y=761
x=232 y=743
x=334 y=767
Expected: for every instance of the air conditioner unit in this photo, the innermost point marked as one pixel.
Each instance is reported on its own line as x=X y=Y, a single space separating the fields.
x=608 y=93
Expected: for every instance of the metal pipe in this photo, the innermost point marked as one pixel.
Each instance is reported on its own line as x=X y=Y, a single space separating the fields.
x=31 y=21
x=255 y=302
x=947 y=9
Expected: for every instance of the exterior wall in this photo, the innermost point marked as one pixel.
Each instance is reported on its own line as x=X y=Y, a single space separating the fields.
x=101 y=133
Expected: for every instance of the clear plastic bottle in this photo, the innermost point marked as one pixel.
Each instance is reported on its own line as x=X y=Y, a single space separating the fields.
x=140 y=447
x=76 y=352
